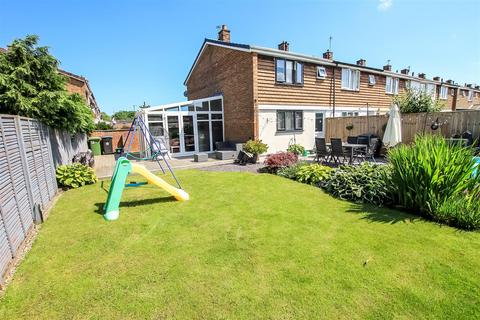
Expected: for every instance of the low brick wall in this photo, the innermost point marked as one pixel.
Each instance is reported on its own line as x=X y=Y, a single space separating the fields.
x=118 y=138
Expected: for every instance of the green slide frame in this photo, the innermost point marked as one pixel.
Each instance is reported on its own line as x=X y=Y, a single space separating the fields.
x=122 y=169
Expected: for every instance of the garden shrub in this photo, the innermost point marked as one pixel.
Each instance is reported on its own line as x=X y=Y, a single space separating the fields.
x=255 y=147
x=75 y=175
x=367 y=183
x=431 y=171
x=459 y=212
x=412 y=101
x=290 y=172
x=297 y=149
x=280 y=160
x=312 y=173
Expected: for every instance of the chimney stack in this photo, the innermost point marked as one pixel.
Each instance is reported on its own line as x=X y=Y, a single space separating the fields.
x=387 y=67
x=328 y=55
x=283 y=46
x=449 y=81
x=405 y=71
x=422 y=75
x=224 y=34
x=362 y=62
x=437 y=78
x=469 y=85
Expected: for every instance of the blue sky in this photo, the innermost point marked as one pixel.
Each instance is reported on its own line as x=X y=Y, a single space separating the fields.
x=136 y=51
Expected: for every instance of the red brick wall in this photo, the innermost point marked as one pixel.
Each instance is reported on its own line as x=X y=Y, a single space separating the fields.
x=118 y=138
x=227 y=72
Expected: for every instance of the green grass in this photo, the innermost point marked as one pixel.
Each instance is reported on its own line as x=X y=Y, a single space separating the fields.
x=244 y=247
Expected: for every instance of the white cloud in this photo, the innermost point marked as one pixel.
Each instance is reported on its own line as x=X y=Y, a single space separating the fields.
x=384 y=5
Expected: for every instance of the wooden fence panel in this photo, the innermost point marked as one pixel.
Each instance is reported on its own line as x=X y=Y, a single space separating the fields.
x=451 y=123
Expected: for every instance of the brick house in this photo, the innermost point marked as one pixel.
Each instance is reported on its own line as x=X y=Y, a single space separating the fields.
x=80 y=85
x=281 y=96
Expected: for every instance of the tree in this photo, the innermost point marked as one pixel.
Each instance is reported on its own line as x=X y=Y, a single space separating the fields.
x=417 y=101
x=124 y=115
x=31 y=86
x=105 y=116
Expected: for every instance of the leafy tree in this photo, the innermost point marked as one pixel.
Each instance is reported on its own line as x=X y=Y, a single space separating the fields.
x=124 y=115
x=105 y=116
x=31 y=86
x=413 y=101
x=103 y=126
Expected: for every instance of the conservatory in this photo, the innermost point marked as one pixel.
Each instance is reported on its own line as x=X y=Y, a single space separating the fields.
x=186 y=127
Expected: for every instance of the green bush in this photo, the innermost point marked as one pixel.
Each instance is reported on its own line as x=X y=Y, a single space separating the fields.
x=255 y=147
x=459 y=212
x=75 y=175
x=417 y=101
x=290 y=172
x=367 y=183
x=103 y=126
x=431 y=171
x=297 y=149
x=312 y=173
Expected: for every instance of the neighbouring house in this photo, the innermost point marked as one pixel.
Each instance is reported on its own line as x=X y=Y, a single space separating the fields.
x=79 y=84
x=238 y=92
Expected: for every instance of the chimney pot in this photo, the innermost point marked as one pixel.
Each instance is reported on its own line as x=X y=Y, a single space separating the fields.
x=436 y=78
x=328 y=55
x=405 y=71
x=362 y=62
x=284 y=46
x=422 y=75
x=387 y=67
x=224 y=34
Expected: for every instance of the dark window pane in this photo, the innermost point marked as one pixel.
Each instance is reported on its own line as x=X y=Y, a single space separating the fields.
x=216 y=116
x=173 y=109
x=216 y=105
x=202 y=116
x=280 y=121
x=217 y=131
x=298 y=120
x=203 y=136
x=155 y=117
x=173 y=134
x=280 y=70
x=203 y=107
x=187 y=108
x=156 y=129
x=188 y=136
x=318 y=122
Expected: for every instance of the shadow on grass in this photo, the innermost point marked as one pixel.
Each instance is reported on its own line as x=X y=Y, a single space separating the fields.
x=382 y=214
x=135 y=203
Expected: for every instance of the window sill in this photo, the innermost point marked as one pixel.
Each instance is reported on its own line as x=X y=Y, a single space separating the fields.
x=289 y=131
x=289 y=84
x=352 y=90
x=391 y=93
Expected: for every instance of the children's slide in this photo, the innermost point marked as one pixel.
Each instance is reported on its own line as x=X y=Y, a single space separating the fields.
x=122 y=169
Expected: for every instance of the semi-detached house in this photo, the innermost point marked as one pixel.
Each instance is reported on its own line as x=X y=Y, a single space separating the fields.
x=282 y=97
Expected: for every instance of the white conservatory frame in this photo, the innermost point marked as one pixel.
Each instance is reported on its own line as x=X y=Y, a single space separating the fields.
x=193 y=108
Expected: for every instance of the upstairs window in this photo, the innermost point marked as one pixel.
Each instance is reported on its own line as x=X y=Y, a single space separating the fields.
x=371 y=79
x=470 y=95
x=391 y=86
x=350 y=79
x=443 y=93
x=321 y=72
x=289 y=120
x=289 y=72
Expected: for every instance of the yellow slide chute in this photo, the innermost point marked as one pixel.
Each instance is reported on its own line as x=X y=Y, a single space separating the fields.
x=179 y=194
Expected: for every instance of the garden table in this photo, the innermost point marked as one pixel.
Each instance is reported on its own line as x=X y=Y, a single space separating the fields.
x=352 y=147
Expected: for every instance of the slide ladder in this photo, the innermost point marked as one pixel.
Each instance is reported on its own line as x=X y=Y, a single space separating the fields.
x=122 y=169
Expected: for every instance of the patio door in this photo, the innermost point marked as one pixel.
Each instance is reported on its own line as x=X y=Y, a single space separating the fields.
x=173 y=126
x=319 y=124
x=188 y=134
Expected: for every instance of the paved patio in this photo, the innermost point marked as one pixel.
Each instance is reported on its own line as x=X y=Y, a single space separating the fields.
x=105 y=164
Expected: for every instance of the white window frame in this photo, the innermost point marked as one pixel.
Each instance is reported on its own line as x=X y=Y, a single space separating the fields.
x=391 y=85
x=443 y=93
x=321 y=72
x=372 y=80
x=350 y=79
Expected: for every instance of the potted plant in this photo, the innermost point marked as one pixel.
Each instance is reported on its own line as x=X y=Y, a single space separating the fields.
x=349 y=126
x=297 y=149
x=255 y=147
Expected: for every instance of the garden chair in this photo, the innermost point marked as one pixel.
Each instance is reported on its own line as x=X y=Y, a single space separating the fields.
x=337 y=151
x=321 y=150
x=369 y=152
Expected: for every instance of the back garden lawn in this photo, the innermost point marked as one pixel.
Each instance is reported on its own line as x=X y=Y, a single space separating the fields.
x=245 y=246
